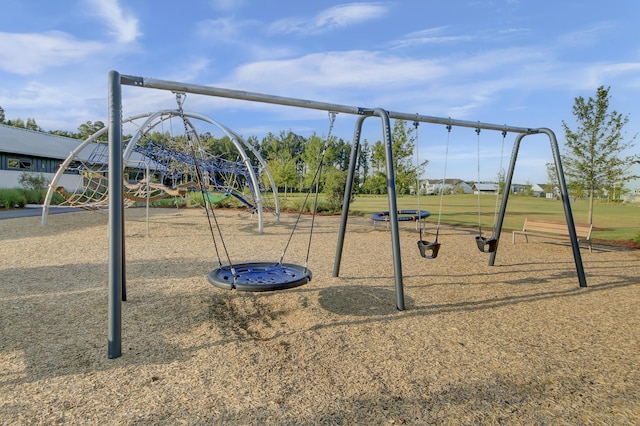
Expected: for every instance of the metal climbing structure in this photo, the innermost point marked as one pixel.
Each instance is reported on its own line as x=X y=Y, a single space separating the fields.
x=116 y=222
x=157 y=164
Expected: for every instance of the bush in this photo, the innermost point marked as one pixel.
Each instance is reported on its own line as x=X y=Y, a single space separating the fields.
x=34 y=196
x=296 y=205
x=637 y=238
x=12 y=198
x=32 y=180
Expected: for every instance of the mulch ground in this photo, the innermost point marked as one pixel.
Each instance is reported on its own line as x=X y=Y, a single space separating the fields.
x=515 y=343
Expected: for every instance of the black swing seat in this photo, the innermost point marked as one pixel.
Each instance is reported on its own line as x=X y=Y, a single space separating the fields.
x=428 y=250
x=486 y=245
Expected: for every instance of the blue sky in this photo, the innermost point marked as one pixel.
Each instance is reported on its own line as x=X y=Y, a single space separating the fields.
x=516 y=62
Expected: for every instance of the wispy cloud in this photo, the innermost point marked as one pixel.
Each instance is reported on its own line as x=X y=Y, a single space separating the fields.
x=340 y=16
x=586 y=36
x=335 y=69
x=122 y=25
x=31 y=53
x=429 y=36
x=220 y=29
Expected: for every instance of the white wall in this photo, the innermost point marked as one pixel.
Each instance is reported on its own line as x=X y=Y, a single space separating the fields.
x=9 y=179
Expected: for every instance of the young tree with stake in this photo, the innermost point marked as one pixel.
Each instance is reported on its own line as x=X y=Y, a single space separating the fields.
x=595 y=150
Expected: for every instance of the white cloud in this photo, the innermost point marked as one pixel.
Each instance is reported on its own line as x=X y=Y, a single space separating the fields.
x=31 y=53
x=122 y=25
x=340 y=16
x=57 y=103
x=587 y=36
x=429 y=36
x=336 y=69
x=216 y=30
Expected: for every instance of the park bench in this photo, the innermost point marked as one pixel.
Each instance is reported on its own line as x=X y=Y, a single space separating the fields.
x=552 y=229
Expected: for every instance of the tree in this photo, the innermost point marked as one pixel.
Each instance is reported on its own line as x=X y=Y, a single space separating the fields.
x=283 y=170
x=282 y=155
x=552 y=178
x=2 y=116
x=335 y=182
x=594 y=150
x=32 y=180
x=501 y=181
x=313 y=150
x=18 y=122
x=363 y=165
x=402 y=148
x=87 y=129
x=32 y=125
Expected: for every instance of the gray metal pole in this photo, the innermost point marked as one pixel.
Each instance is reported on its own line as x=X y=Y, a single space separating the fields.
x=347 y=194
x=564 y=194
x=505 y=196
x=305 y=103
x=116 y=222
x=393 y=207
x=577 y=256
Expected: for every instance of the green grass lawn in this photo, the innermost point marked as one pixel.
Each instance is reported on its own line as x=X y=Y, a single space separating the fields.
x=613 y=221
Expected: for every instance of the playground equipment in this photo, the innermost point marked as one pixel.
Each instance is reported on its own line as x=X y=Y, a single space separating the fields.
x=403 y=215
x=116 y=222
x=488 y=244
x=268 y=276
x=430 y=249
x=157 y=164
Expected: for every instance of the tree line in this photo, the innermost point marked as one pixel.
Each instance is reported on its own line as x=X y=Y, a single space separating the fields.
x=293 y=159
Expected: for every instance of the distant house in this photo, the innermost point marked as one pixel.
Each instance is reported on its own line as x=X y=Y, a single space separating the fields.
x=518 y=188
x=633 y=186
x=486 y=188
x=23 y=150
x=447 y=186
x=537 y=190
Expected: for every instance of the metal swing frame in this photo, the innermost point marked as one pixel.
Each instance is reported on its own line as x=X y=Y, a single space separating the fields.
x=116 y=263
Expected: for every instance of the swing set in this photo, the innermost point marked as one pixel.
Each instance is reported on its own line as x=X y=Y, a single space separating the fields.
x=430 y=249
x=226 y=275
x=269 y=276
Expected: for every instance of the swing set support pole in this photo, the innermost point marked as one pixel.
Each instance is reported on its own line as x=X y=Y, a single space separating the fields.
x=348 y=190
x=564 y=192
x=116 y=218
x=393 y=206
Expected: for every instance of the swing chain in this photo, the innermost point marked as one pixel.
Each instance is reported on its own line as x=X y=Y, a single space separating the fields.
x=190 y=134
x=180 y=98
x=316 y=179
x=332 y=119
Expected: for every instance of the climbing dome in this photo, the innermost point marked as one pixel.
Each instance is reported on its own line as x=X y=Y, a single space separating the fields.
x=169 y=153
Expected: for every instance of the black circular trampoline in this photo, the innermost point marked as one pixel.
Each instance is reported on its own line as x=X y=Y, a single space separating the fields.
x=260 y=276
x=403 y=215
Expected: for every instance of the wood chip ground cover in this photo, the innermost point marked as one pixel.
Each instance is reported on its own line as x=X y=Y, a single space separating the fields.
x=516 y=343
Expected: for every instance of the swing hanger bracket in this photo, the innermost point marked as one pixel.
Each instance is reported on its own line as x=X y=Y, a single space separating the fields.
x=180 y=98
x=365 y=111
